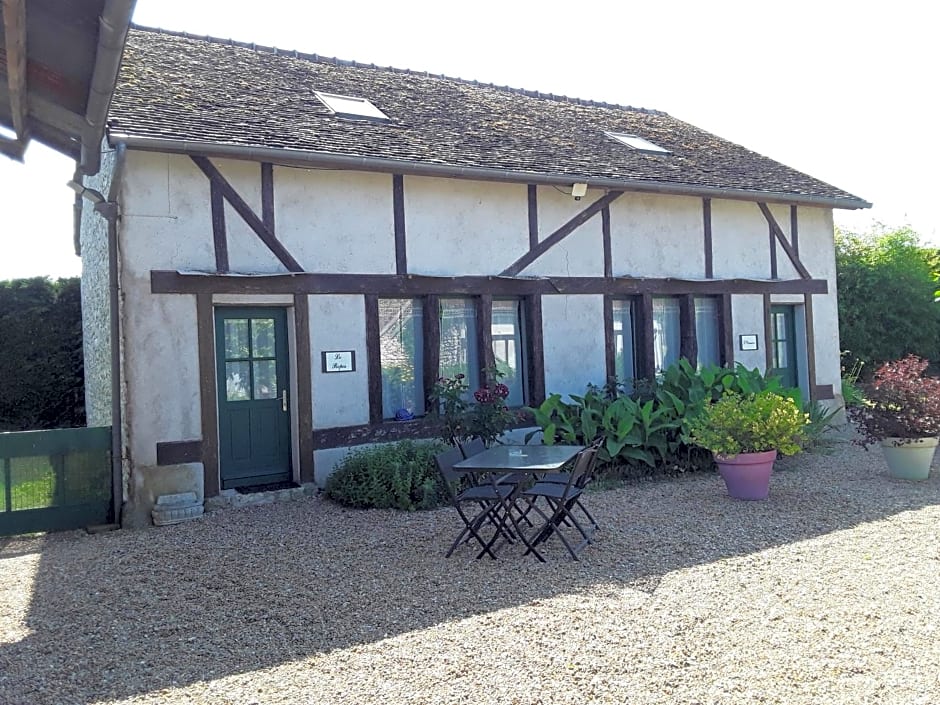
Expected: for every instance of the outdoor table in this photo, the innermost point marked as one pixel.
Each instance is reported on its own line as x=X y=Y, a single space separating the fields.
x=533 y=460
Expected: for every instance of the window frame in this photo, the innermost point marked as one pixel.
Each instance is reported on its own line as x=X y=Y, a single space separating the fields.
x=530 y=336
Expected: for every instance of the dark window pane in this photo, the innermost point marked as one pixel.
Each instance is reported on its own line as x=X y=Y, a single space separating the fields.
x=666 y=339
x=236 y=338
x=265 y=379
x=706 y=331
x=459 y=353
x=262 y=337
x=401 y=348
x=506 y=331
x=237 y=381
x=624 y=349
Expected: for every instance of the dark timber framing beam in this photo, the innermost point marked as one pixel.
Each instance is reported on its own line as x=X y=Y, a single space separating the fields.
x=784 y=243
x=208 y=402
x=608 y=248
x=688 y=341
x=219 y=236
x=643 y=338
x=304 y=386
x=432 y=347
x=810 y=345
x=373 y=357
x=487 y=360
x=564 y=231
x=773 y=252
x=707 y=230
x=795 y=229
x=768 y=336
x=533 y=216
x=610 y=354
x=247 y=214
x=535 y=350
x=398 y=213
x=267 y=196
x=14 y=26
x=392 y=285
x=726 y=331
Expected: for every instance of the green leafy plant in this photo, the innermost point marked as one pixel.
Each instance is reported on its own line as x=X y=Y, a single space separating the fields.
x=398 y=475
x=752 y=423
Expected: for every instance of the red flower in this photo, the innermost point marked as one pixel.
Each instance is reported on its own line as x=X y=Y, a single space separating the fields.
x=501 y=390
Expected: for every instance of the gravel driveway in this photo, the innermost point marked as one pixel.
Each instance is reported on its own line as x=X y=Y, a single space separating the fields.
x=825 y=593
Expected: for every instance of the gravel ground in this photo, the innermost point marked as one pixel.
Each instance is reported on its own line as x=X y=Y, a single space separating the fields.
x=825 y=593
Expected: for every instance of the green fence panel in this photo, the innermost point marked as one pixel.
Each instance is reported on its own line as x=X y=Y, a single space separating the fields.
x=54 y=480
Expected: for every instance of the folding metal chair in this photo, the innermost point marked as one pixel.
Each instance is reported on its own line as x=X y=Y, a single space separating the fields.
x=561 y=499
x=487 y=498
x=562 y=478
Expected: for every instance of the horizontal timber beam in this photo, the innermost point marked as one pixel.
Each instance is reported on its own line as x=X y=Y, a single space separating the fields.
x=392 y=285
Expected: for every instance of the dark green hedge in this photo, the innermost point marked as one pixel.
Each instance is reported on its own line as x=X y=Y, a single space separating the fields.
x=41 y=372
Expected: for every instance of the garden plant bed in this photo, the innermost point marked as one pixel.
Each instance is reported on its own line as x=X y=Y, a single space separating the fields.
x=825 y=592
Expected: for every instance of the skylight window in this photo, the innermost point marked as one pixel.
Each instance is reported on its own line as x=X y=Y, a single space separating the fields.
x=350 y=106
x=638 y=143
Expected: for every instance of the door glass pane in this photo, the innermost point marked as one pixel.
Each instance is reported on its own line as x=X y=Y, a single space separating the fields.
x=624 y=351
x=459 y=354
x=237 y=381
x=506 y=331
x=706 y=331
x=236 y=338
x=265 y=379
x=666 y=339
x=780 y=355
x=401 y=348
x=262 y=337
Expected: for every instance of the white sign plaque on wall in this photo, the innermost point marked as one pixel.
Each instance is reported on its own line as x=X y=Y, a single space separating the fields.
x=339 y=360
x=749 y=342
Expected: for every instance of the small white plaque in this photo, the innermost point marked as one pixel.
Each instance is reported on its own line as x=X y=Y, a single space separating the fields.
x=339 y=360
x=748 y=342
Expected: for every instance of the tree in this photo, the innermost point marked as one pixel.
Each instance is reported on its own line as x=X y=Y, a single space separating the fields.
x=887 y=280
x=41 y=370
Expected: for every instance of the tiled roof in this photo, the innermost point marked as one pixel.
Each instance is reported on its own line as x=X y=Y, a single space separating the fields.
x=179 y=87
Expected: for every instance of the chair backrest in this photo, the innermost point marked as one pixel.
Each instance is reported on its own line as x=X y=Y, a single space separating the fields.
x=588 y=474
x=583 y=468
x=472 y=447
x=445 y=465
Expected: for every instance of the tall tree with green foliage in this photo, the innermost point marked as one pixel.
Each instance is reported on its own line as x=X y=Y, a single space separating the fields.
x=886 y=280
x=41 y=365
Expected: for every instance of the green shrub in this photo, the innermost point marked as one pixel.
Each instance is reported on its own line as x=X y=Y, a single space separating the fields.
x=752 y=423
x=398 y=475
x=651 y=426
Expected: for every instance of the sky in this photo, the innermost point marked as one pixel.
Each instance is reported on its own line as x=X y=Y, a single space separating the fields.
x=844 y=91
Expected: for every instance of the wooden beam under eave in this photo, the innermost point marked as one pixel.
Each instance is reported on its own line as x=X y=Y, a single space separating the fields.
x=14 y=25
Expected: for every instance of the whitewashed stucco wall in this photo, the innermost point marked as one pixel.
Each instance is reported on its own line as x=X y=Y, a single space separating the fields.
x=343 y=222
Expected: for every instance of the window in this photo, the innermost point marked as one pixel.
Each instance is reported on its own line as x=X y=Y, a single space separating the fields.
x=638 y=143
x=350 y=106
x=460 y=353
x=706 y=331
x=624 y=350
x=666 y=333
x=401 y=346
x=506 y=332
x=250 y=359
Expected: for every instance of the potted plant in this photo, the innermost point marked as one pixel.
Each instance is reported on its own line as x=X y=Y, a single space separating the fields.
x=745 y=433
x=902 y=413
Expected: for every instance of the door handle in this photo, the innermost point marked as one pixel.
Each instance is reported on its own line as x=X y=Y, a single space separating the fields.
x=284 y=400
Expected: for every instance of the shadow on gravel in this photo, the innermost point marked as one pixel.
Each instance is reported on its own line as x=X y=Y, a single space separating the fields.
x=133 y=612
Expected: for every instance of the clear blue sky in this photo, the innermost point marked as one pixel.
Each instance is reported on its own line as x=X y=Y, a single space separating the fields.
x=844 y=91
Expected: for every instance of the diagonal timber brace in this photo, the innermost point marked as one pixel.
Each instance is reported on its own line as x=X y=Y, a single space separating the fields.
x=784 y=243
x=263 y=232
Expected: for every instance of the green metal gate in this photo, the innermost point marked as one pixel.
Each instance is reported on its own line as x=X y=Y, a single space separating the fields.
x=54 y=480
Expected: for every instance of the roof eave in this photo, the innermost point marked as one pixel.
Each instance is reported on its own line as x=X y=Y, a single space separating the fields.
x=112 y=32
x=296 y=157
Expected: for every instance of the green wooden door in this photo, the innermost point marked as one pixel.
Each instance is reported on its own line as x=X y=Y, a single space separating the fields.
x=783 y=344
x=254 y=417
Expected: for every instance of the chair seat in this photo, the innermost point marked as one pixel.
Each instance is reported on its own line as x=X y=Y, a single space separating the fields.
x=558 y=478
x=484 y=492
x=553 y=490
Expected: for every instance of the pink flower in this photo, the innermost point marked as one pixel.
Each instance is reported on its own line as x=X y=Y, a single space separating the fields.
x=501 y=390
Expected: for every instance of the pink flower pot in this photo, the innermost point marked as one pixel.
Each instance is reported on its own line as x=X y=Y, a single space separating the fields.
x=747 y=475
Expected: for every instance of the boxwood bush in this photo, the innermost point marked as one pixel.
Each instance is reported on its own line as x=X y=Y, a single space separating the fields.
x=398 y=475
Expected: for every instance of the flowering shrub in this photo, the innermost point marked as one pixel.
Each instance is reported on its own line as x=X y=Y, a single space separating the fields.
x=749 y=424
x=901 y=403
x=488 y=419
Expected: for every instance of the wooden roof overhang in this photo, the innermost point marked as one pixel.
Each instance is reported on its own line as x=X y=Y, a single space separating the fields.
x=58 y=68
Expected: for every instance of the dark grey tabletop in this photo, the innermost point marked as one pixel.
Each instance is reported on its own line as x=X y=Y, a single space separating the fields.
x=520 y=458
